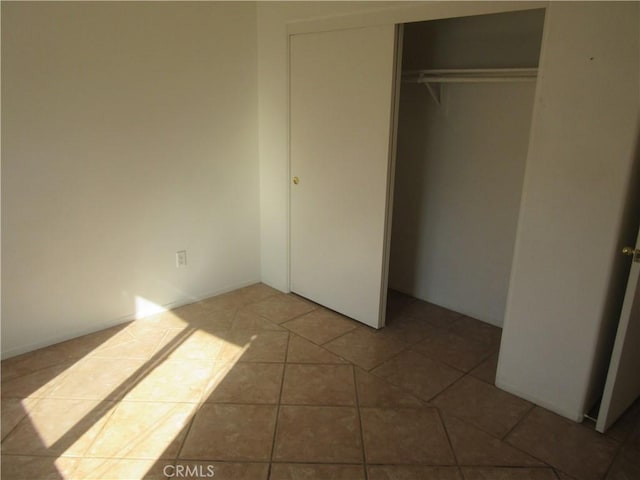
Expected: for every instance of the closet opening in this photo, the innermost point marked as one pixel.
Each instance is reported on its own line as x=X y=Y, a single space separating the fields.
x=465 y=109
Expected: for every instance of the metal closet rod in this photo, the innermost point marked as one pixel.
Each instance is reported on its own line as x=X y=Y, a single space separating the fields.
x=471 y=75
x=467 y=75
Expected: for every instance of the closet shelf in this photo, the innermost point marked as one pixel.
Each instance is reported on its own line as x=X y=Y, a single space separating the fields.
x=467 y=75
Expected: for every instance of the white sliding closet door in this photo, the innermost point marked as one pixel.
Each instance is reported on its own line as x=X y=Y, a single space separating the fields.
x=342 y=100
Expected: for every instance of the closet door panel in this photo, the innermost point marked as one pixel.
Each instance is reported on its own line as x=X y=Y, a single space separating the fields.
x=578 y=190
x=341 y=94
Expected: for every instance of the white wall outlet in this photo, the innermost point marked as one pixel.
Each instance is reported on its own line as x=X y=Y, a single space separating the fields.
x=181 y=258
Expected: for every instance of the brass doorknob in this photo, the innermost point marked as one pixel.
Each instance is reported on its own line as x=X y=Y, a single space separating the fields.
x=296 y=180
x=632 y=252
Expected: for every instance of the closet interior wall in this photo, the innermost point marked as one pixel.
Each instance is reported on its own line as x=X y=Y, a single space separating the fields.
x=460 y=163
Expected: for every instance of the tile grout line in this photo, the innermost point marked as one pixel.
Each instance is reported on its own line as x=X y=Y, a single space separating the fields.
x=468 y=372
x=337 y=337
x=501 y=438
x=199 y=404
x=515 y=447
x=145 y=437
x=518 y=422
x=405 y=349
x=507 y=467
x=448 y=387
x=264 y=462
x=361 y=427
x=323 y=348
x=248 y=304
x=446 y=432
x=69 y=361
x=275 y=427
x=322 y=345
x=281 y=324
x=202 y=401
x=504 y=439
x=5 y=435
x=188 y=431
x=424 y=403
x=499 y=466
x=619 y=449
x=340 y=335
x=478 y=366
x=111 y=412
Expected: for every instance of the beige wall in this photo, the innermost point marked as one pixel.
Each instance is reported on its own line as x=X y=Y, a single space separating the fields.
x=459 y=174
x=129 y=131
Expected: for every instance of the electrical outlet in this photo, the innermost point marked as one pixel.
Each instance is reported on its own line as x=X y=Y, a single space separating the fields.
x=181 y=258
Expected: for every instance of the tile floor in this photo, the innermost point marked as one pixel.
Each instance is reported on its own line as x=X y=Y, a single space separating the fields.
x=258 y=385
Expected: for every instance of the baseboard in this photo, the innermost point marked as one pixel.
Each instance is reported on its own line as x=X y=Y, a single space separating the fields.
x=71 y=334
x=495 y=322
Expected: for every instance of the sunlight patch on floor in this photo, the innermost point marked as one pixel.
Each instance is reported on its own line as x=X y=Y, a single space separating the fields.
x=131 y=397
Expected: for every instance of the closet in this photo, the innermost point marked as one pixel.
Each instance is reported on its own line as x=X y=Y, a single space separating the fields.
x=407 y=170
x=466 y=101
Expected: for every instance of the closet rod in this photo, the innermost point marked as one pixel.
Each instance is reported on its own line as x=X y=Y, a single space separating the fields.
x=445 y=79
x=467 y=75
x=473 y=71
x=471 y=75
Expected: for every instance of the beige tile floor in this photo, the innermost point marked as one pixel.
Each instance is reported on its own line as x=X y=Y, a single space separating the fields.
x=258 y=385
